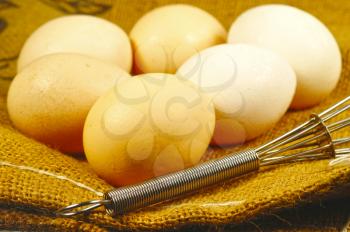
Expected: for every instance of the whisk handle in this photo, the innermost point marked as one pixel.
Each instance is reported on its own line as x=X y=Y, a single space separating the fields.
x=173 y=185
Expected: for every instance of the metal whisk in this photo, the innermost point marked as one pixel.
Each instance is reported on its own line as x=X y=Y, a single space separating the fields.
x=310 y=141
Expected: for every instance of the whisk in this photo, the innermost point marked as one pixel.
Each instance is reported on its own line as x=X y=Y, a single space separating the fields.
x=310 y=141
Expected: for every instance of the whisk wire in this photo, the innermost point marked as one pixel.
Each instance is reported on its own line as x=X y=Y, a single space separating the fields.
x=332 y=111
x=286 y=138
x=303 y=144
x=341 y=141
x=339 y=125
x=300 y=137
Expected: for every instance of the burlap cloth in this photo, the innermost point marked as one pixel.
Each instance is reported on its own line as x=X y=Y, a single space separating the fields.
x=35 y=180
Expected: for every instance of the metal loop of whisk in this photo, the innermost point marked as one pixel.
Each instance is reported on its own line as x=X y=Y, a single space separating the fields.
x=311 y=140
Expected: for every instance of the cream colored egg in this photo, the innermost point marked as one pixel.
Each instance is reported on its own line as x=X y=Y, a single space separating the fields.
x=147 y=126
x=50 y=98
x=251 y=88
x=166 y=36
x=82 y=34
x=300 y=38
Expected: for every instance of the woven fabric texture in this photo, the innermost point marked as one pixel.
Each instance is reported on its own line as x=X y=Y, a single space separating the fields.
x=35 y=180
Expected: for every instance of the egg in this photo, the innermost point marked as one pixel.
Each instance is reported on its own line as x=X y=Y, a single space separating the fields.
x=50 y=98
x=82 y=34
x=251 y=88
x=166 y=36
x=300 y=38
x=147 y=126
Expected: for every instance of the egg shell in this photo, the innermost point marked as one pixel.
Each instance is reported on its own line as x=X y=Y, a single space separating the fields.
x=300 y=38
x=166 y=36
x=82 y=34
x=49 y=100
x=147 y=126
x=251 y=88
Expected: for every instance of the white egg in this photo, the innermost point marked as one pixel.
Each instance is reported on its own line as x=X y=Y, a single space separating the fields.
x=82 y=34
x=300 y=38
x=251 y=88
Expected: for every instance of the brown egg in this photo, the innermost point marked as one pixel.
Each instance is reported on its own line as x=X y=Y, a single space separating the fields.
x=147 y=126
x=166 y=36
x=50 y=98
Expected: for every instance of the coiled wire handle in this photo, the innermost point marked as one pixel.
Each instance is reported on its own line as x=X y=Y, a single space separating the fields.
x=124 y=199
x=176 y=184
